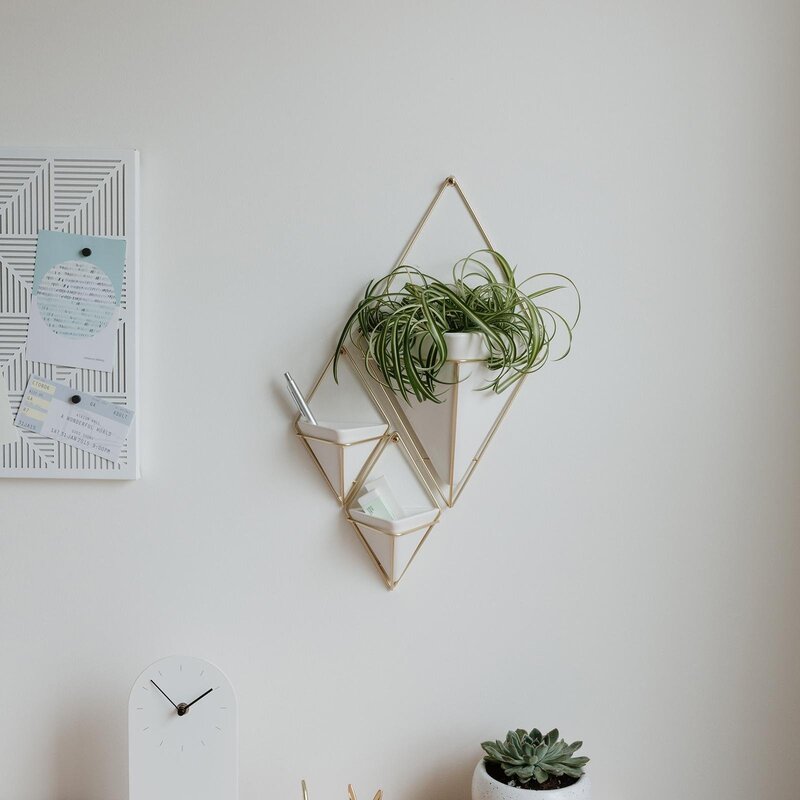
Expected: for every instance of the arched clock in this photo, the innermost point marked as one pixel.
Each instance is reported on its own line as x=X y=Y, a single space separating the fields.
x=183 y=733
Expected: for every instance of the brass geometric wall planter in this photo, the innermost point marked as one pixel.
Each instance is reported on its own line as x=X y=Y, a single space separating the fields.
x=438 y=445
x=391 y=554
x=449 y=438
x=341 y=449
x=340 y=460
x=393 y=544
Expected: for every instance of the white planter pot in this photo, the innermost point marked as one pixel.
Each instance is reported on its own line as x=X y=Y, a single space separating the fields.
x=485 y=787
x=466 y=347
x=453 y=433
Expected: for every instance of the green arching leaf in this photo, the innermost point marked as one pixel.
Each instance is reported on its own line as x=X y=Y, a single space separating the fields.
x=434 y=330
x=403 y=344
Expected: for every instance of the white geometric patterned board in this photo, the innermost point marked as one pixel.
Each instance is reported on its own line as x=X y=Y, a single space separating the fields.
x=92 y=192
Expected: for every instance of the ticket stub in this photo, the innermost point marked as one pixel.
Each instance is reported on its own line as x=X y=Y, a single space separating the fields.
x=60 y=412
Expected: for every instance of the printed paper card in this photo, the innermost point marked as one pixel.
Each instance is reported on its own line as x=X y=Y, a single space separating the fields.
x=77 y=287
x=60 y=412
x=8 y=434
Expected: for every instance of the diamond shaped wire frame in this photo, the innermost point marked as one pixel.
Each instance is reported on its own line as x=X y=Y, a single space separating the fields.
x=392 y=546
x=447 y=484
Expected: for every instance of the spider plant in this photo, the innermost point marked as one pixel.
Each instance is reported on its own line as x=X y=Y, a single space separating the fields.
x=400 y=332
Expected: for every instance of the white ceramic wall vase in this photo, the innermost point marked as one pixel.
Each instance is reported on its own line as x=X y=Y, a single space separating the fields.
x=450 y=437
x=466 y=347
x=485 y=787
x=341 y=449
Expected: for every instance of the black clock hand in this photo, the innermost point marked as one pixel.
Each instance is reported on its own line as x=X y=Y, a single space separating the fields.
x=162 y=692
x=197 y=698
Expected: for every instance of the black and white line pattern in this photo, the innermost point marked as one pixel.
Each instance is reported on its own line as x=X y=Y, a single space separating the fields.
x=74 y=194
x=89 y=196
x=14 y=294
x=18 y=256
x=25 y=195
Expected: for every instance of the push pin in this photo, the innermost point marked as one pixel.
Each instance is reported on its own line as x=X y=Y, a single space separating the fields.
x=75 y=399
x=86 y=252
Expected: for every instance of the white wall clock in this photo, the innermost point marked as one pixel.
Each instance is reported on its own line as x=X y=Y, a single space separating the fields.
x=183 y=734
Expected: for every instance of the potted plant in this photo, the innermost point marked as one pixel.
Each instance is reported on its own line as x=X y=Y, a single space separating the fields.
x=407 y=334
x=529 y=761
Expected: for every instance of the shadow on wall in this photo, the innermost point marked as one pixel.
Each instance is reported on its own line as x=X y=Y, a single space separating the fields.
x=86 y=760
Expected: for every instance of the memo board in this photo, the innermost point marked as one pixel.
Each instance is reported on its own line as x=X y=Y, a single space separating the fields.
x=89 y=192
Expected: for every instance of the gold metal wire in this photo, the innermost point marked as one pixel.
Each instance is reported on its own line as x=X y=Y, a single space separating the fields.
x=449 y=181
x=354 y=365
x=395 y=438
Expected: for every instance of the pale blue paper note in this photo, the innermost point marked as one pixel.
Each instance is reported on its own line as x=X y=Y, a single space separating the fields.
x=77 y=289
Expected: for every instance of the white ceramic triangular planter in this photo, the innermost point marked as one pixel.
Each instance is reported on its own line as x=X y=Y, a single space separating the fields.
x=392 y=544
x=485 y=787
x=342 y=447
x=392 y=553
x=450 y=436
x=341 y=450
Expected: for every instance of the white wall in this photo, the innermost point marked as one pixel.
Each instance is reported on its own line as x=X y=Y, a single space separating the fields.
x=640 y=593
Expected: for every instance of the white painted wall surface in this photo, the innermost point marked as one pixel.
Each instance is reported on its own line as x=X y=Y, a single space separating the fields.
x=624 y=564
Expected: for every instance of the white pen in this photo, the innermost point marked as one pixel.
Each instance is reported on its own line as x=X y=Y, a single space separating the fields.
x=297 y=395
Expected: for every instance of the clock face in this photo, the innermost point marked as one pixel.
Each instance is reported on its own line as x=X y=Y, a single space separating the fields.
x=183 y=732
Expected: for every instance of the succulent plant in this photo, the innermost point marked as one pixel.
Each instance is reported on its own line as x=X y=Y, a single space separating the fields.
x=526 y=756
